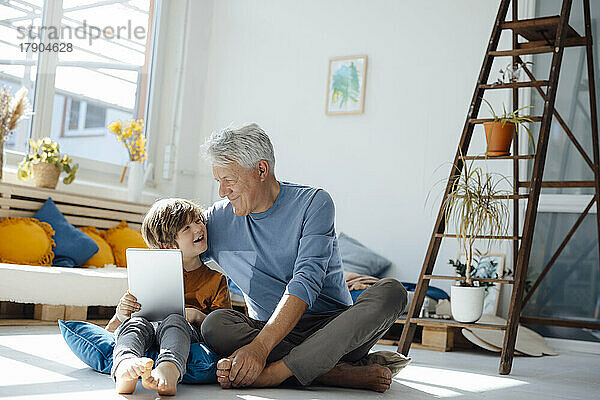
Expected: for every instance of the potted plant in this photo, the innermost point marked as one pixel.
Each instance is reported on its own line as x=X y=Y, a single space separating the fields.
x=13 y=109
x=480 y=269
x=485 y=267
x=45 y=163
x=476 y=206
x=499 y=133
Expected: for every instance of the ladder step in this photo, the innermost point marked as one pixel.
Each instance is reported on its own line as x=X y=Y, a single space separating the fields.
x=484 y=120
x=569 y=42
x=561 y=184
x=523 y=157
x=538 y=48
x=509 y=197
x=521 y=52
x=450 y=322
x=515 y=85
x=500 y=237
x=535 y=29
x=462 y=278
x=513 y=197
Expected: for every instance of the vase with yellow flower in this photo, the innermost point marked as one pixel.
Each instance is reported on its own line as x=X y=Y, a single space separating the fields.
x=131 y=134
x=13 y=109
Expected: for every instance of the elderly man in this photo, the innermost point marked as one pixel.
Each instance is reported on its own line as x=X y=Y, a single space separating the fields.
x=277 y=242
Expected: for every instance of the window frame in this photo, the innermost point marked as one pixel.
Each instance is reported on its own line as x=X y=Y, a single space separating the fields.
x=90 y=171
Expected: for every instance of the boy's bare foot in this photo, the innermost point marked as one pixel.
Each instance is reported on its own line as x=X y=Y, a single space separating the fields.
x=373 y=377
x=223 y=368
x=128 y=372
x=163 y=378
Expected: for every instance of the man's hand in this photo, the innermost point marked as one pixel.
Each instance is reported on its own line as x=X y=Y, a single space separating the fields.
x=248 y=362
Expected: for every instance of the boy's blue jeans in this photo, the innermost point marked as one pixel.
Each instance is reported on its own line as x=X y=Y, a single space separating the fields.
x=173 y=335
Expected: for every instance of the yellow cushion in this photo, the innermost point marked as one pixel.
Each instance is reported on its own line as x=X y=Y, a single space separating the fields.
x=26 y=241
x=104 y=255
x=122 y=237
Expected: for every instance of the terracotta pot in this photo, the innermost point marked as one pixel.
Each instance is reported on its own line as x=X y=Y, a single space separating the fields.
x=498 y=138
x=45 y=175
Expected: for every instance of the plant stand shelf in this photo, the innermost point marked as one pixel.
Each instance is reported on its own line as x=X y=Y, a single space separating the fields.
x=542 y=35
x=432 y=334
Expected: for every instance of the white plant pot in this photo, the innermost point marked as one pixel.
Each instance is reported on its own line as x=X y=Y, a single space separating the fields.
x=466 y=303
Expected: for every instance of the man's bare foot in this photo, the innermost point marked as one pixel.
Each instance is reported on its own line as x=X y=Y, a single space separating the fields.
x=163 y=379
x=373 y=377
x=128 y=372
x=273 y=375
x=223 y=368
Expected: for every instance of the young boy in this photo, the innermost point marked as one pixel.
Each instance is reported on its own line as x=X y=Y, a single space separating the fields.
x=170 y=224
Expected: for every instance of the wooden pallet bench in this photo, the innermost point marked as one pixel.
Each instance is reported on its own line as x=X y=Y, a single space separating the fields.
x=79 y=210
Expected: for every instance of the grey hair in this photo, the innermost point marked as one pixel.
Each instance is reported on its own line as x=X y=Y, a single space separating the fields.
x=246 y=146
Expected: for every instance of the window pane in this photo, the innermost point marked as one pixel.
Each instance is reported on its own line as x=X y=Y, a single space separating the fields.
x=564 y=162
x=74 y=115
x=95 y=116
x=106 y=73
x=571 y=289
x=18 y=68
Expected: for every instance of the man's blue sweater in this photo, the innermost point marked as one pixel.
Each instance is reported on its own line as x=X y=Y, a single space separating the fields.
x=290 y=248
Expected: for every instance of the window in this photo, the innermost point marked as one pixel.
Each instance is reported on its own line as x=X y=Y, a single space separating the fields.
x=571 y=289
x=83 y=118
x=18 y=69
x=98 y=72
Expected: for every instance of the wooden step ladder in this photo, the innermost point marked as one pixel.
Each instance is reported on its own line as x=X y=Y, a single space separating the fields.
x=542 y=35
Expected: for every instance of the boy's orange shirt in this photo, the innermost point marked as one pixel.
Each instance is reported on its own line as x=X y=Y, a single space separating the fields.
x=206 y=290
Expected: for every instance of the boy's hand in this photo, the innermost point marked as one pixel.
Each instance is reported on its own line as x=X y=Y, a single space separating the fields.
x=127 y=306
x=194 y=316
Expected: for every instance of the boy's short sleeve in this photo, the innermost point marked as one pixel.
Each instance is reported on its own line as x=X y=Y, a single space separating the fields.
x=222 y=298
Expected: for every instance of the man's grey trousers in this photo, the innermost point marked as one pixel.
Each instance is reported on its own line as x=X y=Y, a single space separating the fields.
x=320 y=340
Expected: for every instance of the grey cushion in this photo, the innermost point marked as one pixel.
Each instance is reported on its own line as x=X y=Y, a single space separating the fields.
x=358 y=258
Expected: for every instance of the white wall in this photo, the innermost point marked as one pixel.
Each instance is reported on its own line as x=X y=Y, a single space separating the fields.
x=267 y=63
x=176 y=109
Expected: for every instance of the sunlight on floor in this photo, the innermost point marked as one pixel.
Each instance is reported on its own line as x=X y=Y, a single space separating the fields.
x=20 y=373
x=440 y=382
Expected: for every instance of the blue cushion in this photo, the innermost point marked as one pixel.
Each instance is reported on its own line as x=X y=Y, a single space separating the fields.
x=94 y=346
x=91 y=343
x=233 y=288
x=73 y=247
x=355 y=293
x=432 y=291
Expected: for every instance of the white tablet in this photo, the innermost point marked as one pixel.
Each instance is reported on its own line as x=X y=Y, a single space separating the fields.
x=156 y=279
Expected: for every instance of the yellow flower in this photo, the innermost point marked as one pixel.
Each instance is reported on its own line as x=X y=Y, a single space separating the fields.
x=131 y=134
x=115 y=127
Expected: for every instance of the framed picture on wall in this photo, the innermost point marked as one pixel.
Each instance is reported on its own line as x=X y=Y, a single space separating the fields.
x=346 y=85
x=492 y=293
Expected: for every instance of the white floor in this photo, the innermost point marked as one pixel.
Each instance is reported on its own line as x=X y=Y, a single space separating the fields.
x=35 y=363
